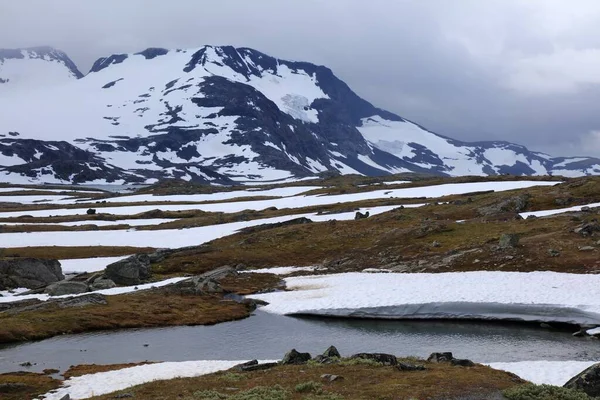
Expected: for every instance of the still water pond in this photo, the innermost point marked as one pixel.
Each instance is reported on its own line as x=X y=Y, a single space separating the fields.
x=268 y=336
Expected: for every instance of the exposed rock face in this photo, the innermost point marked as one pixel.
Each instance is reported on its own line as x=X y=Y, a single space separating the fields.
x=29 y=273
x=515 y=204
x=588 y=229
x=440 y=357
x=66 y=287
x=587 y=381
x=293 y=357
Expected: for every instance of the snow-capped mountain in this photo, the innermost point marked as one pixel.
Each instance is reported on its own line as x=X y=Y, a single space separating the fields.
x=218 y=114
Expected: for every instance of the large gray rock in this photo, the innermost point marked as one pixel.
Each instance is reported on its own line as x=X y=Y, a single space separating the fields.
x=29 y=273
x=130 y=271
x=587 y=381
x=101 y=284
x=382 y=358
x=293 y=357
x=66 y=287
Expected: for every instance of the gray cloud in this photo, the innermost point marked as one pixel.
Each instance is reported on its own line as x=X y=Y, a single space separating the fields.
x=526 y=71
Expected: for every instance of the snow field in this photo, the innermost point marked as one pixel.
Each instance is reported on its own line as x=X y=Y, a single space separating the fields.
x=533 y=296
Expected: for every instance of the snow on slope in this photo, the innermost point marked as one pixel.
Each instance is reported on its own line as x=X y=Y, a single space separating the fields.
x=31 y=69
x=410 y=142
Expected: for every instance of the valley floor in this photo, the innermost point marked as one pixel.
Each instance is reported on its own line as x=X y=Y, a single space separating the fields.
x=467 y=248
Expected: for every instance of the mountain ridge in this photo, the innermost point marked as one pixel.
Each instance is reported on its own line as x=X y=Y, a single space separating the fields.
x=220 y=114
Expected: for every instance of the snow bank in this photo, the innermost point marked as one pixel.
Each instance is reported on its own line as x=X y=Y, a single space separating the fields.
x=108 y=292
x=544 y=372
x=281 y=270
x=86 y=386
x=545 y=213
x=534 y=296
x=80 y=265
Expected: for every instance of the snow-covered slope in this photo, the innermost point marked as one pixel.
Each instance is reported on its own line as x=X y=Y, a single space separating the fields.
x=217 y=114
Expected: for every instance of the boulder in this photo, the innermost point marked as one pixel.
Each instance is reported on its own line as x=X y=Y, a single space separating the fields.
x=130 y=271
x=254 y=366
x=462 y=362
x=382 y=358
x=360 y=215
x=331 y=352
x=587 y=248
x=553 y=253
x=294 y=357
x=410 y=367
x=29 y=273
x=508 y=240
x=101 y=284
x=331 y=378
x=66 y=287
x=440 y=357
x=587 y=381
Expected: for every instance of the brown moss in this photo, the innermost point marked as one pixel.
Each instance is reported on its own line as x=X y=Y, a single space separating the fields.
x=26 y=385
x=150 y=308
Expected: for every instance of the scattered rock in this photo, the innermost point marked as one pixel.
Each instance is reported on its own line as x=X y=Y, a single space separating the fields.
x=293 y=357
x=29 y=273
x=545 y=325
x=26 y=364
x=581 y=333
x=508 y=240
x=586 y=209
x=587 y=248
x=360 y=215
x=385 y=359
x=587 y=229
x=553 y=253
x=436 y=244
x=462 y=362
x=587 y=381
x=410 y=367
x=101 y=284
x=66 y=287
x=123 y=396
x=440 y=357
x=91 y=211
x=514 y=204
x=81 y=301
x=331 y=378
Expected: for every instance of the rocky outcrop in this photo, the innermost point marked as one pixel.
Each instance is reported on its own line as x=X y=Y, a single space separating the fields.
x=29 y=273
x=66 y=287
x=135 y=269
x=254 y=366
x=293 y=357
x=448 y=357
x=587 y=381
x=207 y=283
x=329 y=356
x=102 y=283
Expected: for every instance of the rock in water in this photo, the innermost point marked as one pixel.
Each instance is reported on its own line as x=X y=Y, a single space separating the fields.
x=587 y=381
x=295 y=358
x=66 y=287
x=29 y=273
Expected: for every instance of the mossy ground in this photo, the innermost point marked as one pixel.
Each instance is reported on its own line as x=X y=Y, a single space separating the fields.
x=360 y=381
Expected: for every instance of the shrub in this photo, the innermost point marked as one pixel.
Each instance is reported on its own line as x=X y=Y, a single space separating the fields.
x=257 y=393
x=309 y=386
x=543 y=392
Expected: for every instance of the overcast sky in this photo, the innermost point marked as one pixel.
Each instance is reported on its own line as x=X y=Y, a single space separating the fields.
x=526 y=71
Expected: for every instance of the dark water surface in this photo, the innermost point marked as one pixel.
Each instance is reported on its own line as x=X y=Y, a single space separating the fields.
x=268 y=336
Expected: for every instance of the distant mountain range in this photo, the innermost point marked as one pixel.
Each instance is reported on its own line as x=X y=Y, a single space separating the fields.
x=218 y=114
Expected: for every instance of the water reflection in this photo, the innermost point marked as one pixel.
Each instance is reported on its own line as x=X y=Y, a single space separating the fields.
x=270 y=336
